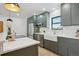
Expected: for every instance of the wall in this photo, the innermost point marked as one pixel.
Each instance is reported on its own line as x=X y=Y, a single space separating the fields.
x=67 y=30
x=49 y=32
x=20 y=26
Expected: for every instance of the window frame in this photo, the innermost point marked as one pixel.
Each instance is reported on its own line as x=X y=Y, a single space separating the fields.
x=56 y=23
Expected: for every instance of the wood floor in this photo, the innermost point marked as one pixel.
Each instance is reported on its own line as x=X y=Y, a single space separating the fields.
x=45 y=52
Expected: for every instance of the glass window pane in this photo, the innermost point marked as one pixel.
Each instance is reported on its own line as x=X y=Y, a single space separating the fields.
x=57 y=25
x=56 y=20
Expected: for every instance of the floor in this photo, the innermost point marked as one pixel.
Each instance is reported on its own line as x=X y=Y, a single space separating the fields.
x=45 y=52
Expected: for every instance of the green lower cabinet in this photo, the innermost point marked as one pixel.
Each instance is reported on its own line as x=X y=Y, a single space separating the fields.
x=50 y=45
x=62 y=46
x=40 y=38
x=74 y=47
x=68 y=46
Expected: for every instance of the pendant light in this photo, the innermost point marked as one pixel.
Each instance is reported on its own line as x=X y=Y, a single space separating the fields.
x=12 y=7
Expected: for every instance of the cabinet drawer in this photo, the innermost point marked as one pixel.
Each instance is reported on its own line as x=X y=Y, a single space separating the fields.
x=51 y=45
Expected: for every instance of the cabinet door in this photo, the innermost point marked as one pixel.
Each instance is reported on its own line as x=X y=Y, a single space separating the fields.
x=34 y=36
x=65 y=14
x=51 y=45
x=62 y=49
x=74 y=47
x=39 y=19
x=44 y=20
x=46 y=44
x=75 y=13
x=63 y=46
x=41 y=39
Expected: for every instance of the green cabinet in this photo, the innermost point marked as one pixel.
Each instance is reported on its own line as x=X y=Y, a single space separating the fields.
x=63 y=46
x=75 y=13
x=65 y=14
x=40 y=38
x=50 y=45
x=42 y=19
x=70 y=14
x=68 y=46
x=74 y=47
x=27 y=51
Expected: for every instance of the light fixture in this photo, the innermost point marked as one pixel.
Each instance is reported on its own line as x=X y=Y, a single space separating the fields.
x=41 y=16
x=53 y=9
x=12 y=7
x=35 y=14
x=44 y=9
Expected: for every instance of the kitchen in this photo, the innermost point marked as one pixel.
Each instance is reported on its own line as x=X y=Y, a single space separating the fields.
x=68 y=30
x=52 y=26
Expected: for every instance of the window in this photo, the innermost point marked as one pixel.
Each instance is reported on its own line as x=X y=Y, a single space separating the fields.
x=56 y=22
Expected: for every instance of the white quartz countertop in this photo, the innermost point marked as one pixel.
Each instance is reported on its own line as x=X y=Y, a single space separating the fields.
x=18 y=44
x=40 y=33
x=73 y=37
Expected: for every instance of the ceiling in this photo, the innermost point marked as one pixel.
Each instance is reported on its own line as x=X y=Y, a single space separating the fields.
x=29 y=9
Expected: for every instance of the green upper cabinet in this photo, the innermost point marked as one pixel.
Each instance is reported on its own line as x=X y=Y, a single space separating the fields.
x=42 y=19
x=30 y=19
x=70 y=14
x=75 y=13
x=39 y=20
x=65 y=14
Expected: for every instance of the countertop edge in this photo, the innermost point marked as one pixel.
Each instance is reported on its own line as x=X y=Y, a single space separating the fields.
x=18 y=48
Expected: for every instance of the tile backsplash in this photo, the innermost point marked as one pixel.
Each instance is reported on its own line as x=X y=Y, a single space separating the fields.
x=67 y=31
x=70 y=30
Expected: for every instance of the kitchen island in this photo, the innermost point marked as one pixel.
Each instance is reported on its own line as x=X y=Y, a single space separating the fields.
x=20 y=47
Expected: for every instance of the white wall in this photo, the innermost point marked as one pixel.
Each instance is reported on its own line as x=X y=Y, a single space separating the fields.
x=20 y=26
x=53 y=14
x=67 y=30
x=49 y=32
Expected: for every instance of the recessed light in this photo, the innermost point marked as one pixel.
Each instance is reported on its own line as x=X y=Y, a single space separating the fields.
x=44 y=9
x=34 y=14
x=53 y=8
x=41 y=16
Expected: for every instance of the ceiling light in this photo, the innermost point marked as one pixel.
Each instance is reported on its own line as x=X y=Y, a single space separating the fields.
x=12 y=7
x=35 y=14
x=44 y=9
x=53 y=8
x=41 y=16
